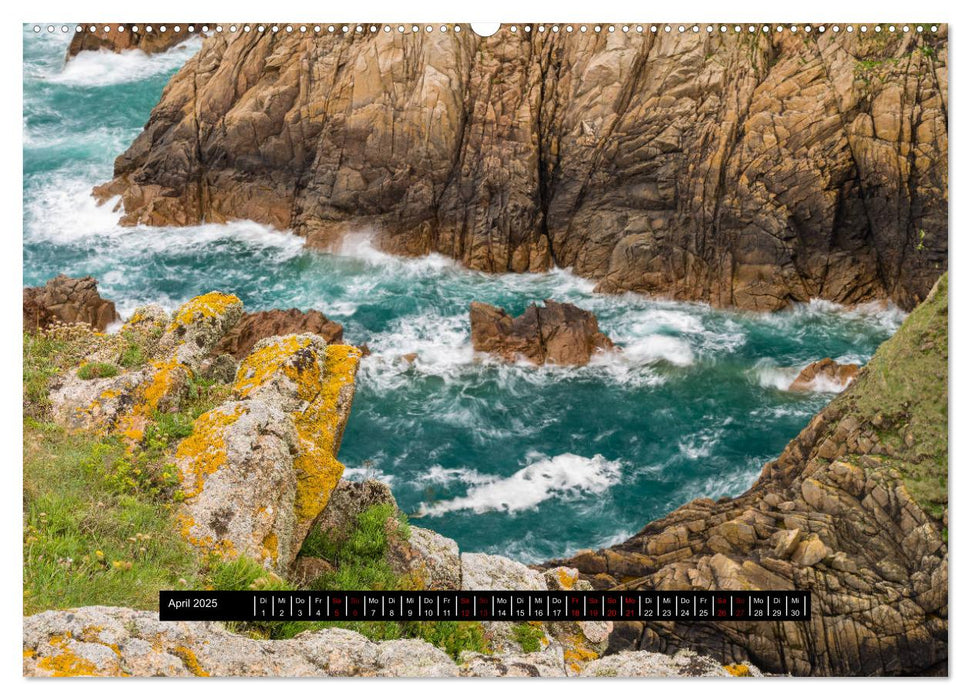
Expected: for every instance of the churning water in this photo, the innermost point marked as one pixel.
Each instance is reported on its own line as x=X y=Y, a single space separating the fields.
x=528 y=462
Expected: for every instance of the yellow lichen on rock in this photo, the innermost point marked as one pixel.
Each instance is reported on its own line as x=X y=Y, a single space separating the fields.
x=738 y=670
x=267 y=360
x=191 y=662
x=320 y=429
x=66 y=663
x=206 y=306
x=204 y=451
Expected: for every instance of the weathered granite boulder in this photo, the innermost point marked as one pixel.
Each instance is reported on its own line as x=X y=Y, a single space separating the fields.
x=825 y=374
x=123 y=37
x=556 y=333
x=258 y=470
x=255 y=326
x=124 y=403
x=853 y=510
x=67 y=300
x=740 y=169
x=106 y=641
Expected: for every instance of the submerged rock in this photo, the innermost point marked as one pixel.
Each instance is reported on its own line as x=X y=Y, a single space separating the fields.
x=258 y=325
x=67 y=300
x=736 y=169
x=556 y=333
x=258 y=470
x=826 y=374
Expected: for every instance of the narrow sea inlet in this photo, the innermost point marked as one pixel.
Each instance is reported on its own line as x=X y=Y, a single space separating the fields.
x=528 y=462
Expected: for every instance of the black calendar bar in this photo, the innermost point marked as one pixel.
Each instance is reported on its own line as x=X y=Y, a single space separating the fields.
x=545 y=606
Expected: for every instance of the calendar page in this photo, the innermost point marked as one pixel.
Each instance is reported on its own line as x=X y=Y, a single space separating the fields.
x=458 y=350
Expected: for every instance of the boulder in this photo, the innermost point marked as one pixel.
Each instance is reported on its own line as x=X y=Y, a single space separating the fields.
x=256 y=326
x=67 y=300
x=347 y=501
x=826 y=375
x=429 y=560
x=258 y=470
x=556 y=333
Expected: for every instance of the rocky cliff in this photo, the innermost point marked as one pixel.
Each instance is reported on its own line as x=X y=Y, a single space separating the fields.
x=741 y=169
x=854 y=510
x=125 y=37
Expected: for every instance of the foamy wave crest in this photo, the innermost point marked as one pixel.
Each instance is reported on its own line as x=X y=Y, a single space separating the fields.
x=565 y=477
x=103 y=68
x=360 y=246
x=770 y=376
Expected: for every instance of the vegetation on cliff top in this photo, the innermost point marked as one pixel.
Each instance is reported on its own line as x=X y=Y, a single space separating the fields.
x=903 y=392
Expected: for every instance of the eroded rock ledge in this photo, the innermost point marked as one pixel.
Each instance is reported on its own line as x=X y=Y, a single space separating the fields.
x=155 y=41
x=746 y=170
x=854 y=510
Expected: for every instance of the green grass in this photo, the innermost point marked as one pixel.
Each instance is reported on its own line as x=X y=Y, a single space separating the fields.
x=529 y=637
x=905 y=384
x=97 y=370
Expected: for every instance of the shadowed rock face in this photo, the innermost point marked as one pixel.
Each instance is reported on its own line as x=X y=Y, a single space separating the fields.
x=254 y=327
x=561 y=334
x=154 y=41
x=854 y=510
x=747 y=170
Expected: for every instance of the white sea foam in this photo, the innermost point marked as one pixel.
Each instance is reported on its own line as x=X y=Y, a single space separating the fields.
x=566 y=477
x=104 y=68
x=771 y=376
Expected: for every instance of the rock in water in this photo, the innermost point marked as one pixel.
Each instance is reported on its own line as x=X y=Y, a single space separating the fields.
x=255 y=326
x=258 y=470
x=67 y=300
x=126 y=39
x=736 y=169
x=825 y=374
x=854 y=510
x=561 y=334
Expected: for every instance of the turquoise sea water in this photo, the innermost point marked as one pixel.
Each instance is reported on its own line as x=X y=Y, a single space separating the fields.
x=531 y=463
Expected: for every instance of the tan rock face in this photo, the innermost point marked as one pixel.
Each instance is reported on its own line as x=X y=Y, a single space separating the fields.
x=826 y=373
x=257 y=325
x=556 y=333
x=67 y=300
x=740 y=170
x=155 y=41
x=847 y=512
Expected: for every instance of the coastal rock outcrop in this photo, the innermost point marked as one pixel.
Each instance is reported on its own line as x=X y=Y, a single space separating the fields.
x=825 y=373
x=258 y=470
x=257 y=325
x=124 y=402
x=854 y=510
x=746 y=169
x=125 y=37
x=557 y=333
x=67 y=300
x=107 y=641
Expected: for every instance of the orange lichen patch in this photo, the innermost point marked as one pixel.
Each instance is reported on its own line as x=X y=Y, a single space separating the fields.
x=91 y=634
x=262 y=364
x=223 y=548
x=271 y=547
x=204 y=451
x=578 y=654
x=566 y=579
x=165 y=377
x=319 y=430
x=191 y=662
x=29 y=653
x=205 y=306
x=66 y=663
x=738 y=670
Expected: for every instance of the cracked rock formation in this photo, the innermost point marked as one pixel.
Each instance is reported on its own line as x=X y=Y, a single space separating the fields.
x=752 y=170
x=257 y=325
x=67 y=300
x=854 y=510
